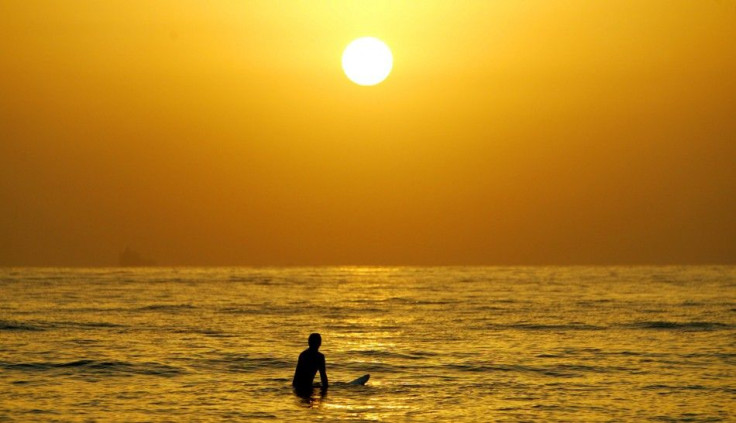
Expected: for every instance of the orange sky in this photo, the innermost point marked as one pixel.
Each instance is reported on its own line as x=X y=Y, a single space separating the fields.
x=509 y=132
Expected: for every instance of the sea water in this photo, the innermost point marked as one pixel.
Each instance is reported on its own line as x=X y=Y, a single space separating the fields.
x=441 y=344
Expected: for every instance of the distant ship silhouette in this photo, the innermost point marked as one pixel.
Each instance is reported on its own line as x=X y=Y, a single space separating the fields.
x=131 y=258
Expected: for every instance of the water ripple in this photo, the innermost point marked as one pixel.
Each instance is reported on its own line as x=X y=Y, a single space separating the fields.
x=688 y=326
x=96 y=367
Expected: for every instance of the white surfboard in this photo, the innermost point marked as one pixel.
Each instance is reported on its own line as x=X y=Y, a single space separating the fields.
x=360 y=381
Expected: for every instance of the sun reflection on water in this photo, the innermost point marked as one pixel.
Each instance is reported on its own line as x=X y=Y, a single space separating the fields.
x=465 y=345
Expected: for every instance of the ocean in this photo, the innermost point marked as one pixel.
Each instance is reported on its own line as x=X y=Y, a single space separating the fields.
x=456 y=344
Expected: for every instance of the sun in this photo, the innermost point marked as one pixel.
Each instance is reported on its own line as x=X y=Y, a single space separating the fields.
x=367 y=61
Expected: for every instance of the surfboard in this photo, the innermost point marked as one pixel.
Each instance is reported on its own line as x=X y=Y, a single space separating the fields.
x=360 y=381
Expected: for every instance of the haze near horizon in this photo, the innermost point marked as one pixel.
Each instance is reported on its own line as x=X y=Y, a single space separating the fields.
x=508 y=132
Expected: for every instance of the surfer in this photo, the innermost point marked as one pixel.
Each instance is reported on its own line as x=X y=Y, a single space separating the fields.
x=310 y=361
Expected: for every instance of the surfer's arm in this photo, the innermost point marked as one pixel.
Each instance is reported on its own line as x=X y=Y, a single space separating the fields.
x=323 y=373
x=298 y=372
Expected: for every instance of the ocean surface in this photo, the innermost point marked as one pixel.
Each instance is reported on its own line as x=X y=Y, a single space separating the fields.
x=449 y=344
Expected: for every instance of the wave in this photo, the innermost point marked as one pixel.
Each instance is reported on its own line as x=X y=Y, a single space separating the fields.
x=253 y=279
x=245 y=363
x=19 y=326
x=414 y=301
x=44 y=326
x=86 y=325
x=260 y=415
x=152 y=307
x=548 y=327
x=418 y=355
x=668 y=325
x=558 y=370
x=203 y=331
x=383 y=368
x=261 y=309
x=166 y=307
x=720 y=355
x=656 y=324
x=664 y=388
x=363 y=327
x=97 y=367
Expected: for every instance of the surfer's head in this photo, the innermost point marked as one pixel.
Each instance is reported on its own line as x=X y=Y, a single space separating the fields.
x=315 y=340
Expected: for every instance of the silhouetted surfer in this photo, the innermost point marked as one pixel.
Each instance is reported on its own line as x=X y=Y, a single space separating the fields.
x=310 y=361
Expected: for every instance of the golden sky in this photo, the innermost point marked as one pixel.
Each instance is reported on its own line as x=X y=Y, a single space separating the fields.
x=509 y=132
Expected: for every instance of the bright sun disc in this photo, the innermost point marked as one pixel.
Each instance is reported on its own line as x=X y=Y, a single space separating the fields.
x=367 y=61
